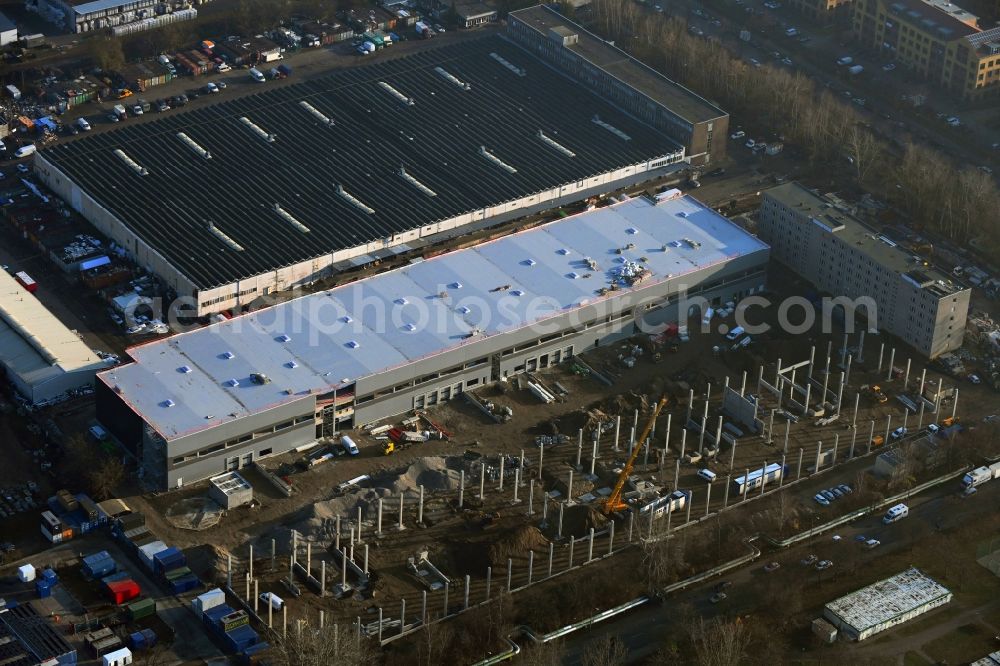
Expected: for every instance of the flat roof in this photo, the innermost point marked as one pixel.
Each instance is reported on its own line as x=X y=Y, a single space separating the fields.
x=863 y=238
x=947 y=20
x=680 y=100
x=230 y=483
x=34 y=632
x=34 y=344
x=887 y=599
x=323 y=341
x=437 y=140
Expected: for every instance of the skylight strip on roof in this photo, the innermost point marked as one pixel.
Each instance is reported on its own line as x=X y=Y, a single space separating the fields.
x=496 y=160
x=287 y=217
x=257 y=129
x=221 y=235
x=395 y=93
x=555 y=144
x=193 y=145
x=322 y=117
x=509 y=65
x=454 y=79
x=416 y=183
x=138 y=168
x=611 y=128
x=353 y=200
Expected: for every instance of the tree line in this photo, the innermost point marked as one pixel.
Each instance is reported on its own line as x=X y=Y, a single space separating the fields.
x=957 y=201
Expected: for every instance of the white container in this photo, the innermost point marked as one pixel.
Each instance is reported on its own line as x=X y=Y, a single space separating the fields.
x=121 y=657
x=26 y=573
x=210 y=599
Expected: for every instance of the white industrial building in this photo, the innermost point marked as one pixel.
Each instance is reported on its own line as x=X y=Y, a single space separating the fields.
x=116 y=15
x=8 y=31
x=885 y=604
x=40 y=356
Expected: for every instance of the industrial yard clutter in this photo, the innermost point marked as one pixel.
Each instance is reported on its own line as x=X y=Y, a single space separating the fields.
x=218 y=398
x=350 y=167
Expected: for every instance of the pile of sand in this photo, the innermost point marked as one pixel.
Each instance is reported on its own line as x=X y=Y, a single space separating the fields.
x=578 y=519
x=435 y=474
x=195 y=513
x=517 y=543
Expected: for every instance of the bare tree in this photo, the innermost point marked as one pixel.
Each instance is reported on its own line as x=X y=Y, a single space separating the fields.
x=719 y=642
x=312 y=646
x=864 y=149
x=605 y=651
x=545 y=654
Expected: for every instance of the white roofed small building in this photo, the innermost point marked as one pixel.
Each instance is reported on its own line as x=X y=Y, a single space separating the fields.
x=40 y=356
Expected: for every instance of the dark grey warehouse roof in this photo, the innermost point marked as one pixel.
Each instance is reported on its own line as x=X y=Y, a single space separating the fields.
x=216 y=219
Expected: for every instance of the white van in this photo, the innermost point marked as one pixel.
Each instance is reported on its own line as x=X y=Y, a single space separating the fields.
x=706 y=474
x=277 y=603
x=24 y=151
x=707 y=319
x=83 y=124
x=735 y=333
x=895 y=513
x=349 y=445
x=257 y=75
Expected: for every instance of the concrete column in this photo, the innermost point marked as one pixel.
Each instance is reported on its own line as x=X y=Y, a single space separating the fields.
x=923 y=379
x=251 y=561
x=545 y=507
x=631 y=522
x=826 y=380
x=666 y=438
x=854 y=437
x=295 y=546
x=812 y=358
x=379 y=624
x=229 y=571
x=906 y=415
x=274 y=551
x=892 y=359
x=732 y=456
x=631 y=439
x=669 y=514
x=871 y=436
x=423 y=607
x=360 y=539
x=861 y=346
x=379 y=523
x=531 y=566
x=798 y=472
x=522 y=467
x=840 y=393
x=677 y=473
x=770 y=427
x=593 y=457
x=819 y=452
x=270 y=615
x=562 y=505
x=336 y=537
x=572 y=545
x=551 y=553
x=482 y=479
x=808 y=398
x=781 y=479
x=746 y=486
x=420 y=507
x=857 y=403
x=645 y=454
x=461 y=486
x=843 y=351
x=465 y=599
x=847 y=370
x=708 y=499
x=579 y=448
x=684 y=436
x=618 y=427
x=366 y=559
x=343 y=569
x=725 y=496
x=763 y=480
x=791 y=386
x=489 y=580
x=322 y=575
x=788 y=430
x=510 y=565
x=906 y=375
x=402 y=615
x=920 y=420
x=836 y=444
x=517 y=482
x=743 y=384
x=888 y=428
x=447 y=587
x=400 y=526
x=689 y=505
x=690 y=404
x=954 y=404
x=611 y=537
x=256 y=595
x=541 y=455
x=569 y=487
x=635 y=420
x=352 y=536
x=881 y=353
x=718 y=435
x=531 y=497
x=503 y=458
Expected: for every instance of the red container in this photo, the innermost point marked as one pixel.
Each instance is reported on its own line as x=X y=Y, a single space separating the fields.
x=25 y=281
x=123 y=591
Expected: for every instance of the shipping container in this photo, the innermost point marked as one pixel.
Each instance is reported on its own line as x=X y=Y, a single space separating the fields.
x=142 y=640
x=179 y=572
x=120 y=657
x=50 y=575
x=208 y=600
x=100 y=568
x=252 y=655
x=106 y=645
x=212 y=616
x=142 y=608
x=167 y=559
x=240 y=638
x=43 y=588
x=235 y=619
x=123 y=591
x=115 y=578
x=185 y=584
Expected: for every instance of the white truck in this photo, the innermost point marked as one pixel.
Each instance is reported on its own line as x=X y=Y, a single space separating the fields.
x=981 y=475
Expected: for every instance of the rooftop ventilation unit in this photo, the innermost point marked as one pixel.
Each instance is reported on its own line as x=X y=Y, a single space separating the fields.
x=135 y=166
x=462 y=309
x=292 y=364
x=416 y=183
x=186 y=369
x=632 y=230
x=461 y=84
x=234 y=383
x=193 y=145
x=408 y=101
x=563 y=251
x=346 y=319
x=455 y=285
x=410 y=327
x=351 y=199
x=221 y=235
x=611 y=128
x=283 y=338
x=168 y=403
x=555 y=144
x=517 y=292
x=257 y=129
x=529 y=262
x=319 y=115
x=287 y=217
x=496 y=160
x=509 y=65
x=228 y=355
x=401 y=301
x=353 y=344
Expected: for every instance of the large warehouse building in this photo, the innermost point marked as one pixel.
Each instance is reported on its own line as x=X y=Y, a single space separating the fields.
x=40 y=357
x=697 y=124
x=842 y=256
x=261 y=193
x=216 y=399
x=885 y=604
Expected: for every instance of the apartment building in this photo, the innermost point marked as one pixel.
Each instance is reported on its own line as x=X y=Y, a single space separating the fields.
x=842 y=256
x=936 y=39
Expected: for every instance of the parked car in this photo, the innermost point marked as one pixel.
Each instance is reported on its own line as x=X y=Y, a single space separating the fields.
x=844 y=488
x=822 y=501
x=738 y=134
x=771 y=567
x=872 y=543
x=828 y=495
x=822 y=565
x=809 y=560
x=211 y=87
x=717 y=597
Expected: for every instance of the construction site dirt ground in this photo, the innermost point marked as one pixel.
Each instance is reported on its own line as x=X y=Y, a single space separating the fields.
x=488 y=533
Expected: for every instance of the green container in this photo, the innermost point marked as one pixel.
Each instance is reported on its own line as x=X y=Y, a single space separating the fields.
x=140 y=609
x=177 y=573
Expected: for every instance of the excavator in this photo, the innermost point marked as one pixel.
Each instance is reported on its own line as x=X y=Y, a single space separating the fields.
x=614 y=503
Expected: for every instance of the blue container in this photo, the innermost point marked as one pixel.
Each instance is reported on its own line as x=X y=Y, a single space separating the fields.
x=184 y=584
x=115 y=578
x=254 y=650
x=43 y=588
x=149 y=636
x=213 y=615
x=50 y=575
x=101 y=568
x=96 y=557
x=137 y=641
x=240 y=638
x=168 y=559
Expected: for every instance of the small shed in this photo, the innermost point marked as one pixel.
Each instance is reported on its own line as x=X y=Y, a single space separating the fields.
x=230 y=490
x=825 y=631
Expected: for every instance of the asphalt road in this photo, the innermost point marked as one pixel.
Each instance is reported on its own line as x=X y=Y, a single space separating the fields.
x=642 y=629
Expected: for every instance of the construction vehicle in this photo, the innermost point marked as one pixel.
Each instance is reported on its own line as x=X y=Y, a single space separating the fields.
x=877 y=394
x=388 y=447
x=878 y=440
x=948 y=421
x=614 y=502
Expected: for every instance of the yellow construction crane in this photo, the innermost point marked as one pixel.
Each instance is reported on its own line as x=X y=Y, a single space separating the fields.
x=614 y=502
